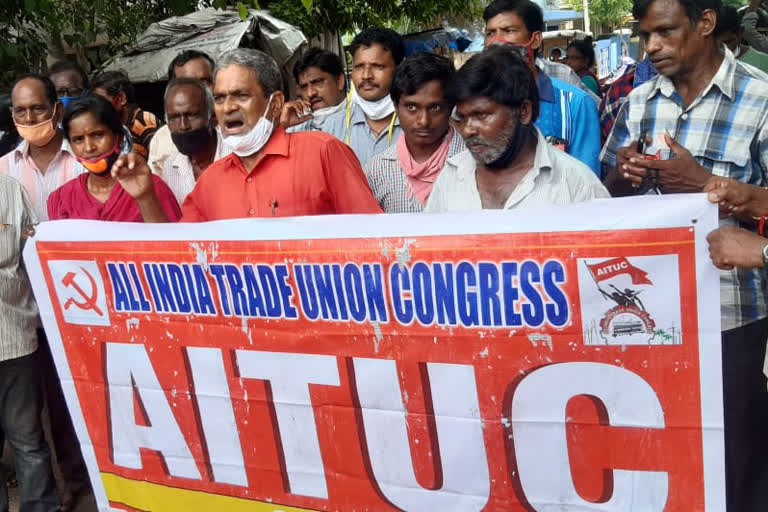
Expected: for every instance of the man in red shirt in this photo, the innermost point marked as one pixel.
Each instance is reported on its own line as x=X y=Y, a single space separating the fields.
x=270 y=173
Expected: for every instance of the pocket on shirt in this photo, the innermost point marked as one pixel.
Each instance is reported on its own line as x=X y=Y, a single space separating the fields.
x=730 y=164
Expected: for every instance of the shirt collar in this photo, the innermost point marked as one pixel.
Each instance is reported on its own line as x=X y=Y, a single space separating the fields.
x=546 y=91
x=22 y=150
x=723 y=80
x=466 y=166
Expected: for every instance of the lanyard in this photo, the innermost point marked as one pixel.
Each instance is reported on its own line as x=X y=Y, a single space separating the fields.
x=349 y=118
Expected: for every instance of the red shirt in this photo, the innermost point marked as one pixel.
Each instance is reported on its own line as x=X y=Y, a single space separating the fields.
x=305 y=173
x=73 y=201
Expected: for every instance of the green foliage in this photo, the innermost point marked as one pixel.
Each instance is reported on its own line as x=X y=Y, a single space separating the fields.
x=319 y=16
x=604 y=12
x=735 y=3
x=34 y=28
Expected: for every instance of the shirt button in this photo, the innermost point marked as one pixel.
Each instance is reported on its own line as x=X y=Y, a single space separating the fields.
x=685 y=117
x=251 y=211
x=249 y=180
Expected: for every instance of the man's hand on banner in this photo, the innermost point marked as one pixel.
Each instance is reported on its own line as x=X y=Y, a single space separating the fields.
x=134 y=175
x=676 y=175
x=731 y=247
x=736 y=198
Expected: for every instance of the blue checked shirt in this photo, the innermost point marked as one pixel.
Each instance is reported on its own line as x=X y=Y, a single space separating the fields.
x=725 y=129
x=389 y=183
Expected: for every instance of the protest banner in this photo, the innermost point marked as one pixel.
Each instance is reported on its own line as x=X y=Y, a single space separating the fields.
x=565 y=358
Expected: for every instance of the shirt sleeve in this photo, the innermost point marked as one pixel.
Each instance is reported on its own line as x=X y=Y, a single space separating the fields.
x=346 y=182
x=585 y=141
x=167 y=200
x=190 y=209
x=617 y=139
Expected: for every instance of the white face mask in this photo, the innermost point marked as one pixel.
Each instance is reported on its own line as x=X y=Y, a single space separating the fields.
x=321 y=114
x=737 y=52
x=374 y=110
x=251 y=142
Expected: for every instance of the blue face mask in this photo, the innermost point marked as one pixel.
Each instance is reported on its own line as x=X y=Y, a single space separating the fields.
x=66 y=100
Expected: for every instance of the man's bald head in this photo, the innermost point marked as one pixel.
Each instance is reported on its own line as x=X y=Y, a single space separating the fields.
x=35 y=84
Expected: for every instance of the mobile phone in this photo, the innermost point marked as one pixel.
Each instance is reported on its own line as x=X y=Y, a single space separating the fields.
x=641 y=142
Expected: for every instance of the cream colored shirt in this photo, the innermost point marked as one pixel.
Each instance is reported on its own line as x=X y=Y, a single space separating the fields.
x=555 y=178
x=160 y=148
x=178 y=174
x=18 y=310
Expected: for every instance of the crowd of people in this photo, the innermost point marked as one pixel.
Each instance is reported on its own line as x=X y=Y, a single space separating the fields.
x=507 y=130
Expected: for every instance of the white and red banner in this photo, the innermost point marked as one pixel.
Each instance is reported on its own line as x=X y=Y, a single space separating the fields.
x=558 y=359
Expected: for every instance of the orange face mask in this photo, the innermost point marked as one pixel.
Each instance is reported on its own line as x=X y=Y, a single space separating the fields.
x=102 y=165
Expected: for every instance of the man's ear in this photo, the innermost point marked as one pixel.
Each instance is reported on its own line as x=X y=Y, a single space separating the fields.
x=536 y=41
x=276 y=107
x=121 y=99
x=707 y=23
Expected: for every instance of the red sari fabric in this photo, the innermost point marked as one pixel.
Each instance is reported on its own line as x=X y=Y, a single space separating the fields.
x=73 y=201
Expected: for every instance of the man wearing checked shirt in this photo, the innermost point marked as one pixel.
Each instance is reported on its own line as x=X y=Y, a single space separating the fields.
x=705 y=114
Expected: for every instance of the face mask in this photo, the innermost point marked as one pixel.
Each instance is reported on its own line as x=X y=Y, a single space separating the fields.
x=737 y=52
x=251 y=142
x=525 y=51
x=374 y=110
x=66 y=100
x=513 y=148
x=39 y=134
x=192 y=141
x=321 y=114
x=102 y=165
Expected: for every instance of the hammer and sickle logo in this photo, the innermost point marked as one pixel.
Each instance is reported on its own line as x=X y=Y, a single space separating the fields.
x=89 y=300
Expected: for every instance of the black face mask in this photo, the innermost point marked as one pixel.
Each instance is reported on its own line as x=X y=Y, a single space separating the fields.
x=522 y=131
x=192 y=141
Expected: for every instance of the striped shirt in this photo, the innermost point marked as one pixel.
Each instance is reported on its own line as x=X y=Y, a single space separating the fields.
x=555 y=178
x=364 y=143
x=726 y=130
x=18 y=164
x=18 y=310
x=389 y=183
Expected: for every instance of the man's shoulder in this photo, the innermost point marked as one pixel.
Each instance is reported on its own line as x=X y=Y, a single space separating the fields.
x=383 y=158
x=313 y=140
x=575 y=93
x=749 y=77
x=570 y=170
x=9 y=184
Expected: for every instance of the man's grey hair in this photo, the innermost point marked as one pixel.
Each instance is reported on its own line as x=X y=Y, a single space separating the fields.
x=177 y=82
x=263 y=65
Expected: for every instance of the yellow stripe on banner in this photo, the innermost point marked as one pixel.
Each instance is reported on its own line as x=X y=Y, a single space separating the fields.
x=153 y=497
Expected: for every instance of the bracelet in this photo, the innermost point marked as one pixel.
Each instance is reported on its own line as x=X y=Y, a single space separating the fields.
x=761 y=224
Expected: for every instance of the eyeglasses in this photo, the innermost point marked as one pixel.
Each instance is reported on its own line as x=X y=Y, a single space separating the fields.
x=19 y=113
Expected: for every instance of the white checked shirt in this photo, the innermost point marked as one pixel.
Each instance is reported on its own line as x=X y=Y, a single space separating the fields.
x=555 y=178
x=178 y=173
x=18 y=310
x=726 y=130
x=18 y=164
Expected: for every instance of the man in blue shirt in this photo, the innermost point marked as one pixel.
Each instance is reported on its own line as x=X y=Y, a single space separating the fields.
x=567 y=115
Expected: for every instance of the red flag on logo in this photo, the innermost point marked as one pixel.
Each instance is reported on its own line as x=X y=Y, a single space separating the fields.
x=617 y=266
